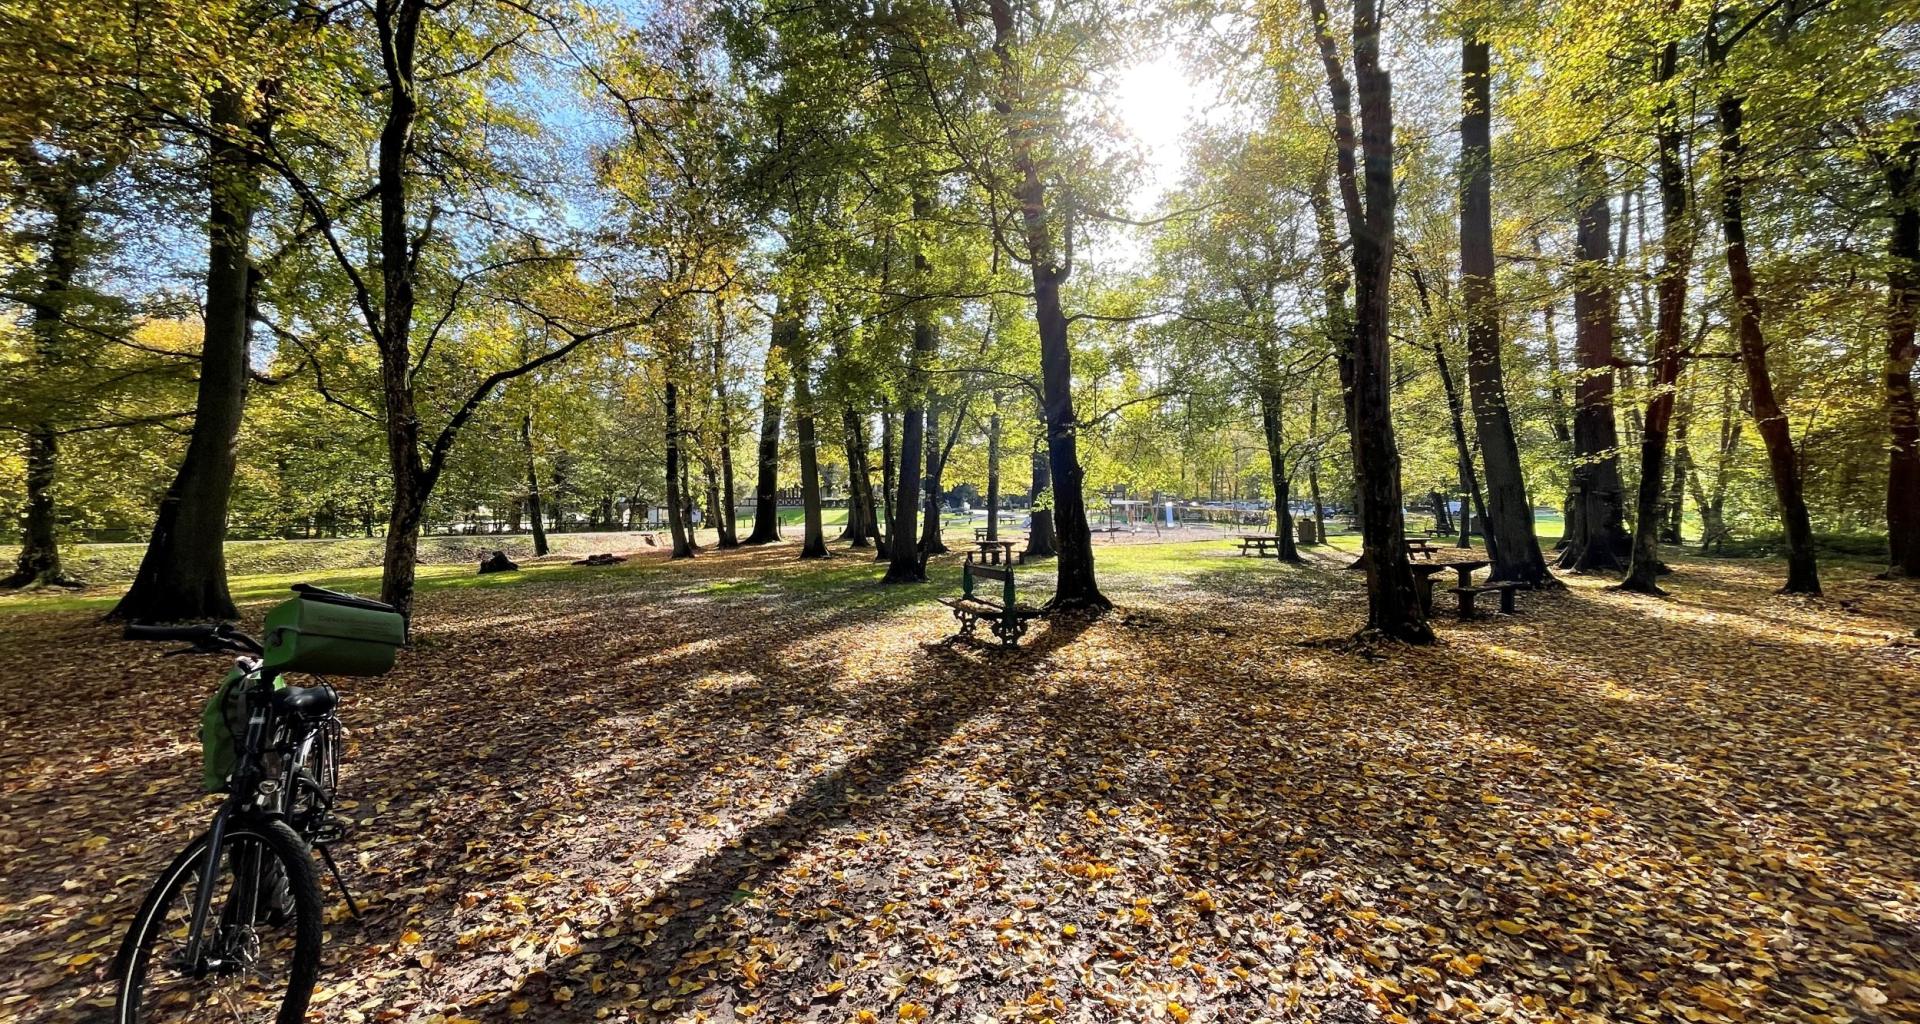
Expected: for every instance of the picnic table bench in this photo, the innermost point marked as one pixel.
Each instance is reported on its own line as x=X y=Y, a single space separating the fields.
x=1466 y=594
x=1007 y=615
x=1260 y=545
x=1419 y=546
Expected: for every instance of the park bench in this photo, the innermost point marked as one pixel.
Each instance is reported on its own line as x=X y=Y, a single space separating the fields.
x=1468 y=594
x=1419 y=546
x=1007 y=616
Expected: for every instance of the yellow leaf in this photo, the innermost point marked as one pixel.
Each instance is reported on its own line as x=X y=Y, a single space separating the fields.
x=1177 y=1012
x=1510 y=927
x=912 y=1011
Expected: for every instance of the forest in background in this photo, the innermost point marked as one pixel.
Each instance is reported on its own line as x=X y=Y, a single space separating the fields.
x=274 y=268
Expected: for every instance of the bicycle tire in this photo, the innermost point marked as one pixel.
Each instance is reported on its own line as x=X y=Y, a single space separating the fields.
x=274 y=837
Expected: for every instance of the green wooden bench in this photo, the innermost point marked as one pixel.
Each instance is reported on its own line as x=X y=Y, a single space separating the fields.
x=1008 y=617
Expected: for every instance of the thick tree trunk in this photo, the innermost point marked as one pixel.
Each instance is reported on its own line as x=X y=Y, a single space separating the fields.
x=533 y=487
x=813 y=542
x=1803 y=573
x=1903 y=309
x=773 y=391
x=399 y=30
x=184 y=572
x=860 y=472
x=1676 y=253
x=1393 y=603
x=1511 y=541
x=1075 y=588
x=906 y=564
x=1597 y=532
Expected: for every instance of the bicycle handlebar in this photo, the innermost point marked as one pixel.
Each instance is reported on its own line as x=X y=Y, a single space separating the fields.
x=214 y=638
x=190 y=633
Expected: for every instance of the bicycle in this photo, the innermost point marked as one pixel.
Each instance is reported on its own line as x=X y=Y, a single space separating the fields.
x=233 y=925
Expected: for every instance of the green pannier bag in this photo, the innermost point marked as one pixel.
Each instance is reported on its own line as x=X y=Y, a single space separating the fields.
x=332 y=634
x=222 y=724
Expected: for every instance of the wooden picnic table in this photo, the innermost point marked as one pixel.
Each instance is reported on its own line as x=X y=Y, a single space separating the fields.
x=996 y=552
x=1419 y=546
x=1263 y=545
x=1465 y=569
x=1423 y=574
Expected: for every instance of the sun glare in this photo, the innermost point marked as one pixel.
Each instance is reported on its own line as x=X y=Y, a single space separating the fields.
x=1157 y=102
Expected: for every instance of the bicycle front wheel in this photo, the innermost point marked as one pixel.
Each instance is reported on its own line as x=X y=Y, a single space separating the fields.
x=259 y=952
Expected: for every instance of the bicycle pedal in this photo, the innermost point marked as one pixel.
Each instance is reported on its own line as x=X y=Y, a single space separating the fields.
x=331 y=829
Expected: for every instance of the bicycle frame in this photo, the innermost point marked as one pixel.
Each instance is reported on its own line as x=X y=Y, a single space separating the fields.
x=241 y=792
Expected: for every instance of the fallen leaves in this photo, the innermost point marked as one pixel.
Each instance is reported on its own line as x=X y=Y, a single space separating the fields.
x=632 y=798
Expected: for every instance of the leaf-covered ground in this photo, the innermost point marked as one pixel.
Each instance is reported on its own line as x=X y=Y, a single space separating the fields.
x=752 y=789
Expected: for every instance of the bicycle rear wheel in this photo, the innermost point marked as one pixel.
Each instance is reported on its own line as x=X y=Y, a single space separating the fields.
x=260 y=951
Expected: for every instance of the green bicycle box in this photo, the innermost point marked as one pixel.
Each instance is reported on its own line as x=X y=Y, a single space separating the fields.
x=323 y=636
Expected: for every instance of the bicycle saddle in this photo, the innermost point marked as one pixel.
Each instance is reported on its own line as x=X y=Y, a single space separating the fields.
x=308 y=701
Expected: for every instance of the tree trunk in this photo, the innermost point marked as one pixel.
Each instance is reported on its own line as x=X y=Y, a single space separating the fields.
x=906 y=565
x=1511 y=541
x=1393 y=603
x=1040 y=520
x=1471 y=504
x=773 y=390
x=1803 y=574
x=677 y=524
x=1682 y=465
x=1075 y=588
x=1903 y=308
x=883 y=526
x=1676 y=253
x=860 y=472
x=723 y=513
x=1272 y=408
x=1714 y=533
x=993 y=471
x=1597 y=531
x=533 y=488
x=184 y=572
x=398 y=26
x=1313 y=470
x=39 y=563
x=931 y=543
x=813 y=542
